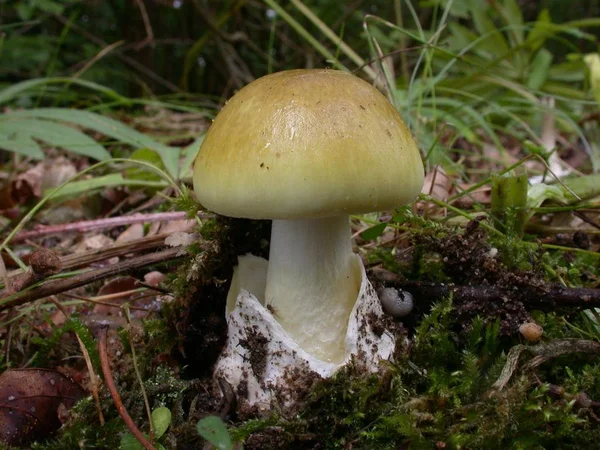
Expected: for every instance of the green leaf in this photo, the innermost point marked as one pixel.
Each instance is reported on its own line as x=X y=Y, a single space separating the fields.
x=161 y=419
x=19 y=143
x=539 y=69
x=541 y=30
x=493 y=40
x=108 y=127
x=25 y=11
x=402 y=215
x=214 y=431
x=129 y=442
x=14 y=90
x=189 y=155
x=592 y=61
x=514 y=18
x=57 y=135
x=138 y=172
x=460 y=36
x=373 y=232
x=49 y=6
x=88 y=186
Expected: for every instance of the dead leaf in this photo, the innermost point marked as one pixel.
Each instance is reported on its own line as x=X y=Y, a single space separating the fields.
x=154 y=278
x=180 y=239
x=116 y=286
x=135 y=231
x=30 y=401
x=437 y=184
x=56 y=172
x=28 y=184
x=178 y=226
x=483 y=195
x=95 y=242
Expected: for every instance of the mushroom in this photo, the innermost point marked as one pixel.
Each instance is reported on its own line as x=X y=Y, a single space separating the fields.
x=307 y=148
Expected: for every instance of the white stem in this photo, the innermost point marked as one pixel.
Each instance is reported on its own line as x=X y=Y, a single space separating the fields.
x=313 y=282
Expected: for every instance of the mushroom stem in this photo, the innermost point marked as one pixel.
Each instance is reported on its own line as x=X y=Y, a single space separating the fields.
x=313 y=281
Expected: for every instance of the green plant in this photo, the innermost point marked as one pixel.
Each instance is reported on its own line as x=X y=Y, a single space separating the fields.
x=161 y=419
x=215 y=431
x=485 y=78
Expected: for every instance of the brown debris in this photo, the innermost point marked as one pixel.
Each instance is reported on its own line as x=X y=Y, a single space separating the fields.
x=31 y=400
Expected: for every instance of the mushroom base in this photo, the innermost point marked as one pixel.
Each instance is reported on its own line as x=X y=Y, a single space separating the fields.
x=267 y=369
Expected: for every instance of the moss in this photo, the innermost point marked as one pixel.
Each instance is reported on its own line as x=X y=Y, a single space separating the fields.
x=439 y=395
x=49 y=346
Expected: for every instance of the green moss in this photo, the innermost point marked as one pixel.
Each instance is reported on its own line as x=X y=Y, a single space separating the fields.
x=84 y=431
x=48 y=346
x=439 y=395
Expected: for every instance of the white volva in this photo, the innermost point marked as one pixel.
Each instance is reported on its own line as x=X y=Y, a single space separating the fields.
x=250 y=322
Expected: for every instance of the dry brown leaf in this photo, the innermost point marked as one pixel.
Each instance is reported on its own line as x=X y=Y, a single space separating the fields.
x=135 y=231
x=437 y=184
x=177 y=225
x=30 y=402
x=154 y=278
x=180 y=239
x=483 y=195
x=115 y=286
x=56 y=172
x=95 y=242
x=28 y=184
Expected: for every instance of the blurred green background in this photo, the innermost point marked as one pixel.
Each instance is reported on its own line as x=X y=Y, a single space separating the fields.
x=212 y=47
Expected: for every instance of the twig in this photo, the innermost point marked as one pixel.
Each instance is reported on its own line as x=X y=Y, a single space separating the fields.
x=512 y=362
x=88 y=362
x=560 y=347
x=147 y=24
x=57 y=286
x=105 y=51
x=101 y=224
x=543 y=353
x=20 y=279
x=126 y=59
x=110 y=384
x=137 y=370
x=96 y=301
x=546 y=298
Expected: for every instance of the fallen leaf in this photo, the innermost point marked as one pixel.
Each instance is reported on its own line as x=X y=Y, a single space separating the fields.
x=135 y=231
x=56 y=172
x=154 y=278
x=30 y=401
x=28 y=184
x=116 y=286
x=437 y=184
x=174 y=226
x=180 y=239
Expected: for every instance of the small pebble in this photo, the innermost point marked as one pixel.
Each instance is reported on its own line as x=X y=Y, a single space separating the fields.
x=396 y=303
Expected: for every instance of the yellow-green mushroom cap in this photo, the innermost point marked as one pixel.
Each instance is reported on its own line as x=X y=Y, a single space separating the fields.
x=307 y=144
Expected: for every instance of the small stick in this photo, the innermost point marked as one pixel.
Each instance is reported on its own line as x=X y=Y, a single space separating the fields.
x=547 y=298
x=96 y=300
x=110 y=384
x=101 y=224
x=137 y=370
x=88 y=363
x=542 y=353
x=58 y=286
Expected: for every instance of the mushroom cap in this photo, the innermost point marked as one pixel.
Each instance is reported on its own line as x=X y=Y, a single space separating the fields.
x=310 y=144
